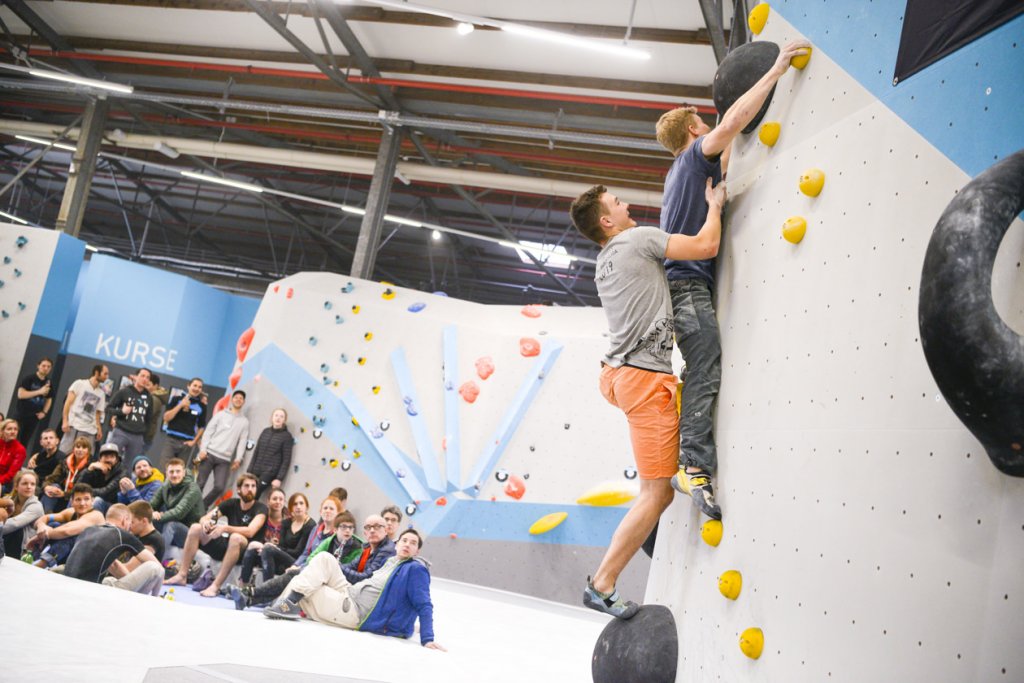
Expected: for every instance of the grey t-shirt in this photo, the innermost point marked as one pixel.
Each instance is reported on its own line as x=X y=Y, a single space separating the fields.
x=366 y=592
x=634 y=293
x=88 y=402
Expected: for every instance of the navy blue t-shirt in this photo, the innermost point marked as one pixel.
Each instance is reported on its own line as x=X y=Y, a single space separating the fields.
x=684 y=209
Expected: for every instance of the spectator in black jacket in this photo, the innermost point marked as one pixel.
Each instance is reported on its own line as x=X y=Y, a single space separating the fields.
x=104 y=476
x=273 y=454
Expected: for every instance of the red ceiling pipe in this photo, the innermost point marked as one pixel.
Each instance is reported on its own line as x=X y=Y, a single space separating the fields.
x=396 y=82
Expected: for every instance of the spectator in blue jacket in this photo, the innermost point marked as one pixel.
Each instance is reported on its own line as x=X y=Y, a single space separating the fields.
x=387 y=603
x=147 y=480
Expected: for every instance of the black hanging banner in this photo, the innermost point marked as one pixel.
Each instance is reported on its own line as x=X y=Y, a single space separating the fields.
x=933 y=29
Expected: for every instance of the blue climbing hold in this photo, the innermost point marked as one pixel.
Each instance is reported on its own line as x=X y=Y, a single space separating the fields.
x=417 y=307
x=7 y=259
x=312 y=341
x=328 y=305
x=5 y=314
x=21 y=241
x=21 y=306
x=338 y=320
x=343 y=358
x=376 y=433
x=309 y=391
x=326 y=380
x=325 y=368
x=17 y=273
x=319 y=420
x=348 y=288
x=440 y=294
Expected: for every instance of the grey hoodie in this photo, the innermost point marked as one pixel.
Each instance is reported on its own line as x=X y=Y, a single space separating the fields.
x=225 y=436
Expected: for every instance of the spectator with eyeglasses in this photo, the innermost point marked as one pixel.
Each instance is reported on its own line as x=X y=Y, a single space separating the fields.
x=376 y=550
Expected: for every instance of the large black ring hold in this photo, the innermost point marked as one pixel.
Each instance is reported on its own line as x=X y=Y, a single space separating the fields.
x=976 y=359
x=739 y=71
x=644 y=649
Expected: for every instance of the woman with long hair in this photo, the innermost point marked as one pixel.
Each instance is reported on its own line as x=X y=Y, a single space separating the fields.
x=12 y=453
x=23 y=509
x=57 y=487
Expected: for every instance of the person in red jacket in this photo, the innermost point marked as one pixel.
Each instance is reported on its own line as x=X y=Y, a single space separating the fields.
x=12 y=453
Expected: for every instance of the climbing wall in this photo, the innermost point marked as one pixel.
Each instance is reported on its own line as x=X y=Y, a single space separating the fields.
x=875 y=539
x=38 y=270
x=478 y=421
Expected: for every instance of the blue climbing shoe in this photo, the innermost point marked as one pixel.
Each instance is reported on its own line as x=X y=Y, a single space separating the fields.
x=609 y=604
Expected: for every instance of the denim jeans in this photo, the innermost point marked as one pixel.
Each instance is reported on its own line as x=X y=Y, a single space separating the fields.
x=697 y=337
x=174 y=533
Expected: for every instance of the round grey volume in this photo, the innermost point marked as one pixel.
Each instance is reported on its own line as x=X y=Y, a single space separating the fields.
x=739 y=71
x=976 y=359
x=644 y=649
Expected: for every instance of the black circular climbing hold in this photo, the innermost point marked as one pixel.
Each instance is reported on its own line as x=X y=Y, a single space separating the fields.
x=976 y=359
x=501 y=475
x=643 y=649
x=739 y=71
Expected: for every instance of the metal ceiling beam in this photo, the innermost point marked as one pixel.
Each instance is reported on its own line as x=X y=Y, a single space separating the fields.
x=83 y=165
x=378 y=15
x=712 y=11
x=265 y=11
x=397 y=66
x=46 y=32
x=376 y=204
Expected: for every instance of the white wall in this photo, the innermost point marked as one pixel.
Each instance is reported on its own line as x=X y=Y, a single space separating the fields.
x=875 y=538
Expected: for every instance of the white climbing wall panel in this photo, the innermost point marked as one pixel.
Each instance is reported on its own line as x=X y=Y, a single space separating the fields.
x=876 y=540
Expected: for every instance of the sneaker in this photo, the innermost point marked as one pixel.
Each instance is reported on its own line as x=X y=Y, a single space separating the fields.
x=283 y=609
x=702 y=493
x=240 y=596
x=609 y=604
x=204 y=581
x=194 y=570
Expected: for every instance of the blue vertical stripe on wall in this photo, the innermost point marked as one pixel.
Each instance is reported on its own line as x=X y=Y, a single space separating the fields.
x=55 y=305
x=968 y=104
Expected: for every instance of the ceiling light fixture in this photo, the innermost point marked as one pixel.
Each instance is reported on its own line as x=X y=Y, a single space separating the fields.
x=68 y=78
x=40 y=141
x=166 y=150
x=14 y=218
x=403 y=221
x=597 y=45
x=436 y=235
x=464 y=28
x=222 y=181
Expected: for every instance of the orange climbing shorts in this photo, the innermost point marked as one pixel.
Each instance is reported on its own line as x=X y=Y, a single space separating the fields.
x=649 y=401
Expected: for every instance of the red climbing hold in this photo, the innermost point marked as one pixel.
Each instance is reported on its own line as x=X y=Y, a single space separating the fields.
x=531 y=311
x=484 y=367
x=442 y=501
x=276 y=287
x=235 y=377
x=221 y=404
x=469 y=391
x=244 y=342
x=515 y=487
x=288 y=294
x=529 y=347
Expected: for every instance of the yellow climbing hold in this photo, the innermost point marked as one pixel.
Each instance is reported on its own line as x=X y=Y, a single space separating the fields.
x=547 y=523
x=388 y=293
x=607 y=495
x=361 y=360
x=730 y=584
x=794 y=229
x=811 y=182
x=355 y=422
x=769 y=133
x=368 y=336
x=375 y=389
x=711 y=532
x=334 y=462
x=752 y=642
x=758 y=17
x=355 y=308
x=800 y=61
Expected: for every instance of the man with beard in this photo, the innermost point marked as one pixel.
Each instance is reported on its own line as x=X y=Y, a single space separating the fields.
x=226 y=543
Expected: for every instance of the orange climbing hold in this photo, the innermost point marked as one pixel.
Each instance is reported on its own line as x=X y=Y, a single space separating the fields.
x=529 y=347
x=469 y=391
x=244 y=342
x=515 y=487
x=288 y=294
x=235 y=377
x=484 y=367
x=221 y=404
x=531 y=311
x=442 y=501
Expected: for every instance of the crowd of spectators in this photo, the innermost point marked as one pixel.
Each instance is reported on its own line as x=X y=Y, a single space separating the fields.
x=104 y=510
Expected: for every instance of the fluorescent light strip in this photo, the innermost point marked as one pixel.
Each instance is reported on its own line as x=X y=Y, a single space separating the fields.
x=48 y=143
x=519 y=246
x=597 y=45
x=222 y=181
x=67 y=78
x=341 y=207
x=13 y=218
